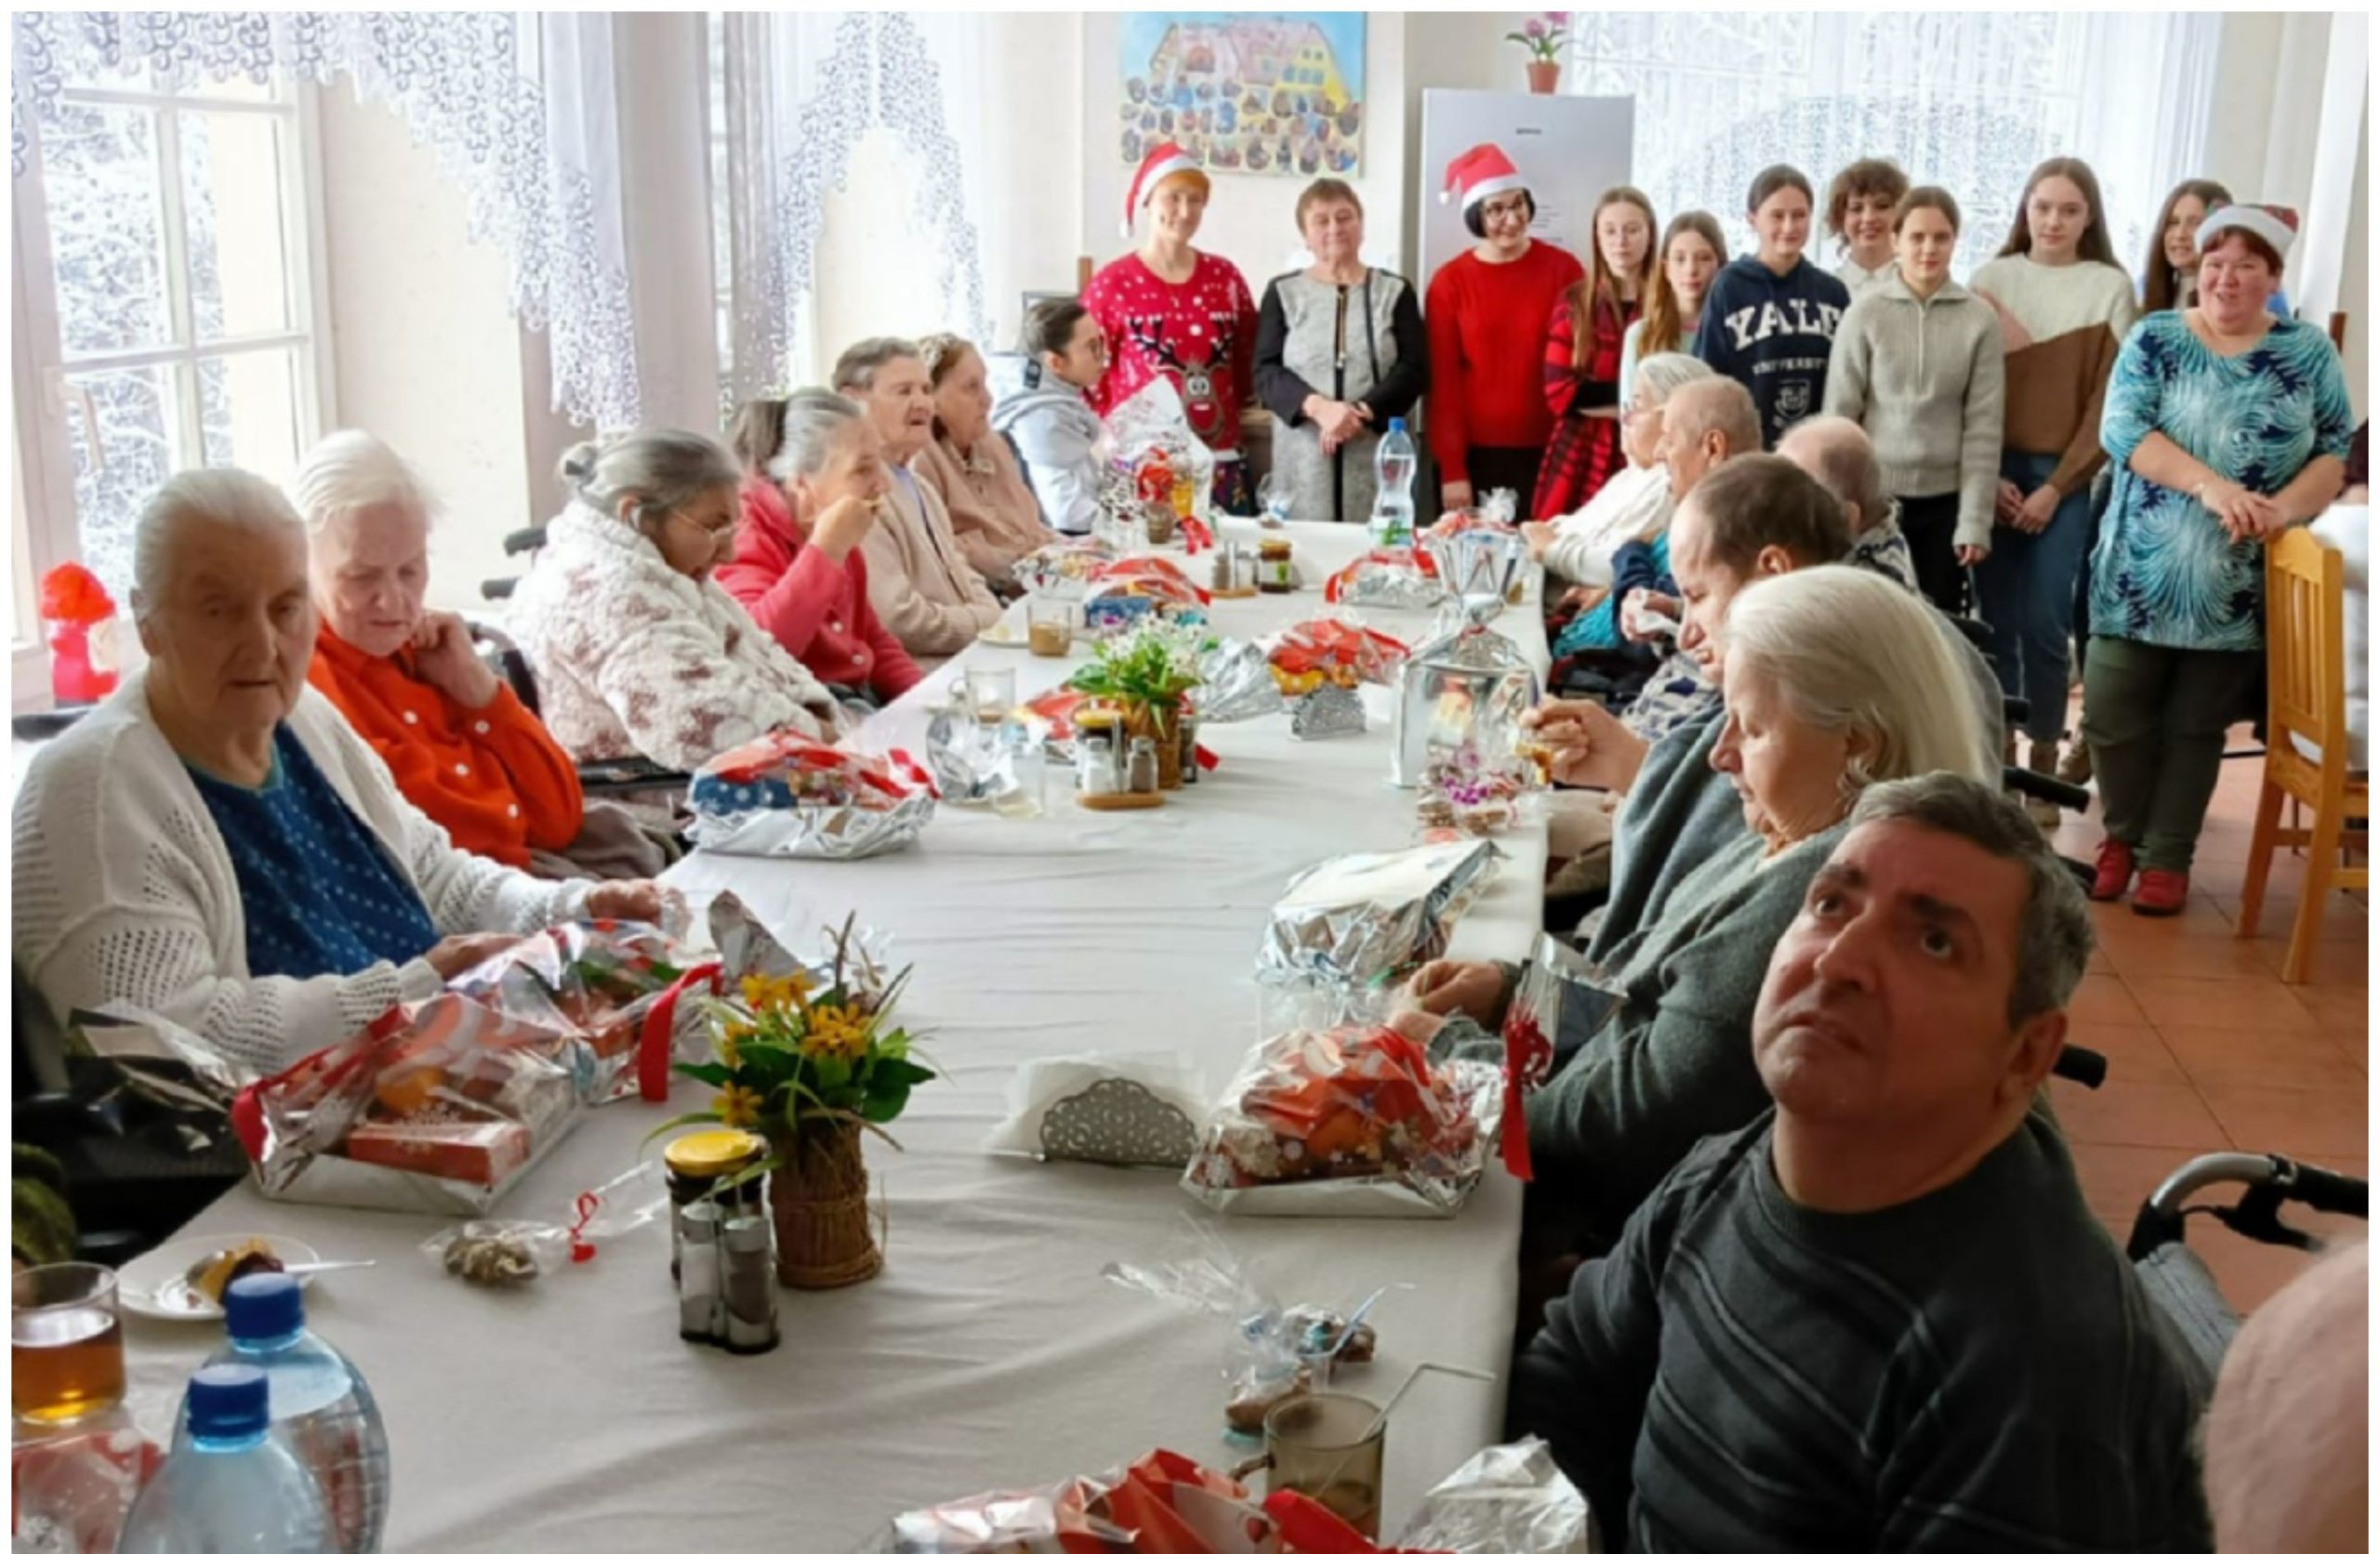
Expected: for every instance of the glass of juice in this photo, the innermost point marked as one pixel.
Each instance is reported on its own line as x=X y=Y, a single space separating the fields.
x=66 y=1342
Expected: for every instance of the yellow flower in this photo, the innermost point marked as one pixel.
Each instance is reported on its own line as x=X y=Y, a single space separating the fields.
x=737 y=1106
x=834 y=1031
x=730 y=1038
x=776 y=993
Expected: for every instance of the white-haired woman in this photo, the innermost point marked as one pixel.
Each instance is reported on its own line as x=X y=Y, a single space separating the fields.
x=461 y=744
x=1635 y=503
x=1834 y=679
x=638 y=650
x=214 y=843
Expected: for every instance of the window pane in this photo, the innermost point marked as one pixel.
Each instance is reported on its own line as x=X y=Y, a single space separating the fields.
x=248 y=409
x=132 y=412
x=105 y=228
x=232 y=188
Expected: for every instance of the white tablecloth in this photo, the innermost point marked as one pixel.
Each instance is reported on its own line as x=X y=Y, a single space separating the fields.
x=990 y=1353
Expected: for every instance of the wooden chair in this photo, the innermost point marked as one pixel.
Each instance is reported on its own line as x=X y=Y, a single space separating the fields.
x=2306 y=677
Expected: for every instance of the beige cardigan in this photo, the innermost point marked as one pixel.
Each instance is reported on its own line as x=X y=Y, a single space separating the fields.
x=918 y=578
x=992 y=510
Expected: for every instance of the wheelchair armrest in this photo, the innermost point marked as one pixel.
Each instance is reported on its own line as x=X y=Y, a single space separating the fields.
x=30 y=726
x=520 y=540
x=627 y=774
x=2041 y=785
x=499 y=588
x=2080 y=1064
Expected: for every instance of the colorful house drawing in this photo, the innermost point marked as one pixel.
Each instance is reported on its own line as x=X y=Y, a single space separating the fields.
x=1253 y=53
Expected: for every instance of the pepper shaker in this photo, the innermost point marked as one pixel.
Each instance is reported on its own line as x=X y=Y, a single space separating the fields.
x=750 y=1286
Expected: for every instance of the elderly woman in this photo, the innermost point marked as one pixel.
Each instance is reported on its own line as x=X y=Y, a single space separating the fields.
x=970 y=466
x=638 y=650
x=813 y=483
x=1833 y=680
x=461 y=745
x=1169 y=310
x=1633 y=504
x=215 y=845
x=1340 y=351
x=1487 y=311
x=2227 y=425
x=1055 y=431
x=918 y=578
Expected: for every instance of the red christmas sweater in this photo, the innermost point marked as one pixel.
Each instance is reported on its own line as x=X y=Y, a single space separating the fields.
x=1200 y=333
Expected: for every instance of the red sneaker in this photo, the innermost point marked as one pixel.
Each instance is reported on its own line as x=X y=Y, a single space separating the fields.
x=2115 y=872
x=2163 y=893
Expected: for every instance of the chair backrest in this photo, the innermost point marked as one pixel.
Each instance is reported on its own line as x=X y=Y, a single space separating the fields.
x=2306 y=649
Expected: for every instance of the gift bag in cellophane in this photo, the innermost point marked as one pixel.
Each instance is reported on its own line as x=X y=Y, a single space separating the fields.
x=1162 y=1504
x=788 y=795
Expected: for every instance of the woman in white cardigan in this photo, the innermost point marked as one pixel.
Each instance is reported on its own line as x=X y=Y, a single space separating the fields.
x=216 y=846
x=639 y=651
x=1634 y=503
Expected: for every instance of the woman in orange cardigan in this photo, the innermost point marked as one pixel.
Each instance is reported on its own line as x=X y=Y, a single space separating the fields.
x=460 y=743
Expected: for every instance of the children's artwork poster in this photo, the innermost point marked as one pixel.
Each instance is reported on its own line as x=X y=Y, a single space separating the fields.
x=1246 y=93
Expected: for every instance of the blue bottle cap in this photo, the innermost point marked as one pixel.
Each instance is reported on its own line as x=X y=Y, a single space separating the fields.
x=1396 y=423
x=260 y=1307
x=227 y=1402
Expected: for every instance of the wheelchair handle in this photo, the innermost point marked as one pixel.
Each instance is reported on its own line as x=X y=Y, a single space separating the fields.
x=2326 y=1191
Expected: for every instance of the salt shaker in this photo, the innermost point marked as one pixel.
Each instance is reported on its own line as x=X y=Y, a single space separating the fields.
x=702 y=1316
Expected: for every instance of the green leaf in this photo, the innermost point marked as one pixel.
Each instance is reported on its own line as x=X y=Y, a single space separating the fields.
x=908 y=1073
x=887 y=1103
x=713 y=1074
x=833 y=1072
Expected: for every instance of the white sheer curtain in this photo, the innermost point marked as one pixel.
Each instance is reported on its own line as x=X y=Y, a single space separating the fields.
x=1969 y=100
x=519 y=106
x=803 y=91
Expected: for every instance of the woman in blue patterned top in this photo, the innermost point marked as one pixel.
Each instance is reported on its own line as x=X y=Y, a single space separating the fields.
x=2227 y=425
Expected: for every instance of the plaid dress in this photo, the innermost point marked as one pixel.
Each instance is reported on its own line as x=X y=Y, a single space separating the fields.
x=1584 y=450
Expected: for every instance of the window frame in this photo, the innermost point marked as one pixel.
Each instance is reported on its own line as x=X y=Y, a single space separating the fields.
x=45 y=519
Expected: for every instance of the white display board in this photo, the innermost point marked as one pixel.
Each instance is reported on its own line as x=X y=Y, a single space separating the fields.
x=1570 y=148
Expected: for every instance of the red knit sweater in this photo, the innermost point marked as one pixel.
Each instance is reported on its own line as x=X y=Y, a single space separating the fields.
x=816 y=610
x=1486 y=352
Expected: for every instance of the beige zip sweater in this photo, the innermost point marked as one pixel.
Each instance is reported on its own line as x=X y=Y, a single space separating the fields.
x=1926 y=379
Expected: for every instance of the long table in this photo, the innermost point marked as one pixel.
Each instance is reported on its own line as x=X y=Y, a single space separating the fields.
x=990 y=1353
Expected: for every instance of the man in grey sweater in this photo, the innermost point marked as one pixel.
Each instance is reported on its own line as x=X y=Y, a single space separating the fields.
x=1883 y=1317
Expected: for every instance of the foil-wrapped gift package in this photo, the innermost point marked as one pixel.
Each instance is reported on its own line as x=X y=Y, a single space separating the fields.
x=1393 y=577
x=1062 y=570
x=981 y=766
x=786 y=795
x=1466 y=689
x=1235 y=683
x=1333 y=712
x=1357 y=919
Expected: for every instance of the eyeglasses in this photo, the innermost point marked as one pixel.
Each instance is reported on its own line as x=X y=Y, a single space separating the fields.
x=1498 y=210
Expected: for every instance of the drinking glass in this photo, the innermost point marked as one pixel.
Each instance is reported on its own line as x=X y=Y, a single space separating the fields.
x=991 y=693
x=66 y=1342
x=1273 y=499
x=1050 y=626
x=1331 y=1447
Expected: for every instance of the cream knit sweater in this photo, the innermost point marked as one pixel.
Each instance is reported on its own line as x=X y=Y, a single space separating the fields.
x=125 y=893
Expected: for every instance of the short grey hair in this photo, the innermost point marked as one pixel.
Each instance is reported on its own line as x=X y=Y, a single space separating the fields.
x=1848 y=650
x=1664 y=373
x=1841 y=458
x=856 y=368
x=230 y=496
x=813 y=419
x=2054 y=940
x=1720 y=405
x=351 y=470
x=660 y=470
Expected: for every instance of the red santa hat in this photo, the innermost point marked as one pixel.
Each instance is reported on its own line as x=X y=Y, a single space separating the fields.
x=1481 y=172
x=2276 y=224
x=1164 y=160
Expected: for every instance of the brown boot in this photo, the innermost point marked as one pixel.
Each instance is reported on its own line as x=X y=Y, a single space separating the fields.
x=2040 y=758
x=2075 y=766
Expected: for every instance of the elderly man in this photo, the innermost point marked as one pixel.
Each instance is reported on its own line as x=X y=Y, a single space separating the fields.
x=459 y=743
x=1883 y=1316
x=919 y=579
x=215 y=844
x=2287 y=1442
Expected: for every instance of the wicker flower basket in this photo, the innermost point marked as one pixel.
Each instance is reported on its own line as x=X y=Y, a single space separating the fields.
x=819 y=1201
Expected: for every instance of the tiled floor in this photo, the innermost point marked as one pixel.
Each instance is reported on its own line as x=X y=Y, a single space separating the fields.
x=2207 y=1050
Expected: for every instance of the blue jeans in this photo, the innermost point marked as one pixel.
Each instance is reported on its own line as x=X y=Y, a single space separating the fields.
x=2025 y=592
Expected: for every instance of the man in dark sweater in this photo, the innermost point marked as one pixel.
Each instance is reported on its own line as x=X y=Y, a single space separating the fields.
x=1883 y=1317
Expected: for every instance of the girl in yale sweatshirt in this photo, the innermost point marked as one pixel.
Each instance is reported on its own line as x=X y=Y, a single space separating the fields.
x=1918 y=364
x=1770 y=319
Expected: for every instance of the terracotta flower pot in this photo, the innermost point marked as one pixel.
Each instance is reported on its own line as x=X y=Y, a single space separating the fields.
x=819 y=1201
x=1544 y=75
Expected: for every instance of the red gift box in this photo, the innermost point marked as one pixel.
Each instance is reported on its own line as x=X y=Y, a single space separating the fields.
x=482 y=1154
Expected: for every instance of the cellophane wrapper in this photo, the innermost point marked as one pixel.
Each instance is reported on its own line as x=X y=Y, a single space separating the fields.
x=1311 y=654
x=1352 y=1120
x=1062 y=570
x=595 y=981
x=1050 y=717
x=1162 y=1504
x=1390 y=578
x=1235 y=683
x=1153 y=419
x=1363 y=918
x=1476 y=555
x=1508 y=1499
x=788 y=795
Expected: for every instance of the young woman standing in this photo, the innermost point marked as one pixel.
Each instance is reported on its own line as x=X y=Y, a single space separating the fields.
x=1582 y=349
x=1918 y=364
x=1859 y=205
x=1692 y=251
x=1769 y=321
x=2169 y=275
x=2065 y=306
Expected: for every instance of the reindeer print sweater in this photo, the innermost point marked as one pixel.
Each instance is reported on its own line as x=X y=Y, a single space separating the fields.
x=1200 y=333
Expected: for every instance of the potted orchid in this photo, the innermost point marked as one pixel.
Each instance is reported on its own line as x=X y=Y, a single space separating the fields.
x=1544 y=36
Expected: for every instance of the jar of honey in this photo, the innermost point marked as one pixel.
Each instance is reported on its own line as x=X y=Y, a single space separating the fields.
x=1276 y=570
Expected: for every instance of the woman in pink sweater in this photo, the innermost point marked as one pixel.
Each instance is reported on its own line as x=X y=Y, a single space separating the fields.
x=813 y=473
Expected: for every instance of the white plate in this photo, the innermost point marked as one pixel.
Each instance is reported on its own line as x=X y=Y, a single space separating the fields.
x=157 y=1284
x=998 y=636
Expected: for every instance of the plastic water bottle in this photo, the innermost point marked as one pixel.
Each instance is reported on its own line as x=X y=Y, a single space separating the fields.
x=229 y=1483
x=1395 y=463
x=322 y=1410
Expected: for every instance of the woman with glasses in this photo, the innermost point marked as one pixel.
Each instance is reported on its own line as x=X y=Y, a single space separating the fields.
x=1489 y=421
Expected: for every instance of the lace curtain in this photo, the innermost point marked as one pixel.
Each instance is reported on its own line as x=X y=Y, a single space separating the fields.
x=1968 y=100
x=801 y=90
x=520 y=107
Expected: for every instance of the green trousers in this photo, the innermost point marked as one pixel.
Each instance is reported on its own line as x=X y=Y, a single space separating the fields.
x=2155 y=718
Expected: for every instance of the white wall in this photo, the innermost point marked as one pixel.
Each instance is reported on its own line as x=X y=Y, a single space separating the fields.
x=427 y=354
x=1033 y=217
